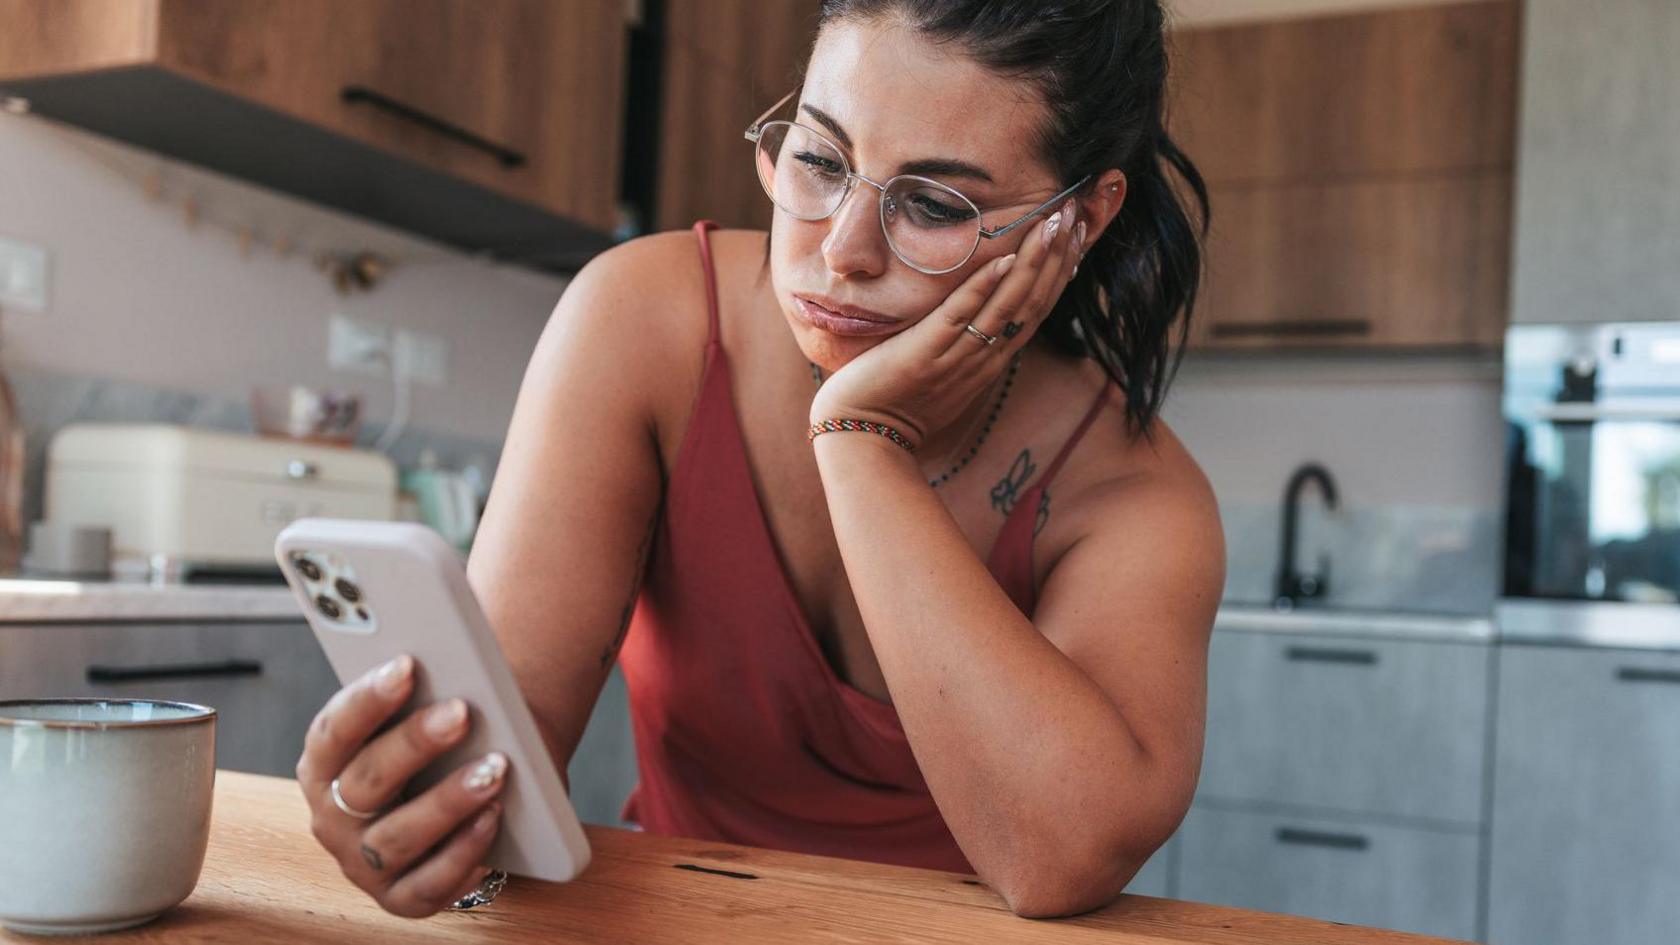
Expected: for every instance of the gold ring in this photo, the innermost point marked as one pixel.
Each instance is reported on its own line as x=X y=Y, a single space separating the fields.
x=985 y=339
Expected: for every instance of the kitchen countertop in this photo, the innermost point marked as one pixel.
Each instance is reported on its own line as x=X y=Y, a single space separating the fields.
x=51 y=601
x=265 y=879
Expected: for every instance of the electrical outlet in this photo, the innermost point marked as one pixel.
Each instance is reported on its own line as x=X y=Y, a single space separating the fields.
x=421 y=357
x=23 y=276
x=357 y=345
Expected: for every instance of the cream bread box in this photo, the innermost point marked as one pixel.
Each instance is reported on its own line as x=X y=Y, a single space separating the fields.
x=189 y=498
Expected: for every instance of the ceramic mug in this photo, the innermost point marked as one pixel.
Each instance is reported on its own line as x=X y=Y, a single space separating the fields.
x=106 y=810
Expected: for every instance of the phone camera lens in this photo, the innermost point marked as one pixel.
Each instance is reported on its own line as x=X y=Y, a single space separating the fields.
x=328 y=606
x=362 y=613
x=307 y=568
x=347 y=590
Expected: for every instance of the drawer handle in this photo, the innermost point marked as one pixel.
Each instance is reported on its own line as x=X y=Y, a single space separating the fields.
x=1642 y=674
x=1325 y=654
x=361 y=95
x=1318 y=838
x=1322 y=328
x=121 y=674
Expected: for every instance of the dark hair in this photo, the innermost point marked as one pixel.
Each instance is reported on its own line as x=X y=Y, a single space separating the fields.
x=1101 y=66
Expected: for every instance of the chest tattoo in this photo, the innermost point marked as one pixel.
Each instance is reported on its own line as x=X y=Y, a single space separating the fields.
x=1008 y=489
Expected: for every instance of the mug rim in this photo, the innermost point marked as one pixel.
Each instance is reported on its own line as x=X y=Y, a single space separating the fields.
x=200 y=713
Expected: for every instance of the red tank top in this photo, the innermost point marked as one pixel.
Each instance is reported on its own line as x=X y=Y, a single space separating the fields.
x=743 y=731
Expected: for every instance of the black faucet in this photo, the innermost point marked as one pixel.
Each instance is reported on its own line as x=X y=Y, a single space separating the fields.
x=1291 y=585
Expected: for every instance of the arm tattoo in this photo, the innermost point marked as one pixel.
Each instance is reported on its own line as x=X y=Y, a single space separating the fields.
x=611 y=652
x=1008 y=489
x=373 y=858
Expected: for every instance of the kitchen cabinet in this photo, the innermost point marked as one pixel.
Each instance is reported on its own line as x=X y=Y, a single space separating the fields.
x=725 y=62
x=1586 y=797
x=266 y=681
x=1341 y=869
x=1359 y=169
x=493 y=125
x=1394 y=728
x=1598 y=189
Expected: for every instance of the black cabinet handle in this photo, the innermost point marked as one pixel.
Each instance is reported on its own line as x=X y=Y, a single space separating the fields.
x=361 y=95
x=1325 y=654
x=1642 y=674
x=123 y=674
x=1322 y=328
x=1317 y=838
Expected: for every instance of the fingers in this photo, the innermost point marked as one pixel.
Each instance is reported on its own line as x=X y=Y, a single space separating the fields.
x=349 y=719
x=1023 y=299
x=375 y=775
x=398 y=839
x=450 y=873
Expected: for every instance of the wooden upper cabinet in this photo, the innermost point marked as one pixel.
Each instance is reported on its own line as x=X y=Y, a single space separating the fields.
x=522 y=99
x=1359 y=168
x=725 y=63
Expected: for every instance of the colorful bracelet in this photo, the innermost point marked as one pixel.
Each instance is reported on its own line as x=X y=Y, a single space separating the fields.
x=863 y=426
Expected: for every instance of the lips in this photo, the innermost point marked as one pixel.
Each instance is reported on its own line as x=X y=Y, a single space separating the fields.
x=847 y=311
x=843 y=322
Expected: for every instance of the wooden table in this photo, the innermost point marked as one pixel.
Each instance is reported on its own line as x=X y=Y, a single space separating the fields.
x=265 y=880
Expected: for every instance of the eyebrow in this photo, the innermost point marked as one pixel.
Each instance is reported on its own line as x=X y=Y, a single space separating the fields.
x=925 y=167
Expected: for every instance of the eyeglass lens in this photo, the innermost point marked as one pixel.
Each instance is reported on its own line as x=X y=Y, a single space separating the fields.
x=928 y=225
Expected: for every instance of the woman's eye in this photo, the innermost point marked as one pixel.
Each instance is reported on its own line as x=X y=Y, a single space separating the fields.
x=824 y=166
x=933 y=210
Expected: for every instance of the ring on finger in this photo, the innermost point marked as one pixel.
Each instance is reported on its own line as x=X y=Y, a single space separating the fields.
x=985 y=339
x=339 y=802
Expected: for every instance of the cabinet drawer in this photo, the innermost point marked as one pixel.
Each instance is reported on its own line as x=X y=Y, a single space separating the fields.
x=265 y=681
x=1586 y=814
x=1421 y=881
x=1348 y=723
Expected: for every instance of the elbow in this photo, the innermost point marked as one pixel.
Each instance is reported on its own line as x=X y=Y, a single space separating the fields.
x=1065 y=889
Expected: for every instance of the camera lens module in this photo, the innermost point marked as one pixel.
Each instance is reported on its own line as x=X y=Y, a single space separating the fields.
x=328 y=606
x=348 y=590
x=307 y=568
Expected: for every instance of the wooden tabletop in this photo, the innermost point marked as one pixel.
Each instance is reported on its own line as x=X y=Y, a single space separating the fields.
x=265 y=880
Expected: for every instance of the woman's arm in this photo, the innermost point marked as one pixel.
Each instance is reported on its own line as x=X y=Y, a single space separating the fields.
x=559 y=556
x=1060 y=754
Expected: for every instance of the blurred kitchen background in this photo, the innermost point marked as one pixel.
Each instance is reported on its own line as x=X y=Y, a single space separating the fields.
x=262 y=259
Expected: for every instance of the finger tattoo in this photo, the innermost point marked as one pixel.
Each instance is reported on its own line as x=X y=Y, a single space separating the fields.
x=1011 y=329
x=373 y=858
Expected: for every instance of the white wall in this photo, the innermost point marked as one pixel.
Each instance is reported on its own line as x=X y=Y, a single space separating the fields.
x=138 y=295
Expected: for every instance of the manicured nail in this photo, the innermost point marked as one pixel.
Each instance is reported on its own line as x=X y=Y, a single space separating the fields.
x=444 y=719
x=487 y=820
x=1005 y=264
x=1050 y=226
x=487 y=774
x=1079 y=234
x=391 y=677
x=1071 y=209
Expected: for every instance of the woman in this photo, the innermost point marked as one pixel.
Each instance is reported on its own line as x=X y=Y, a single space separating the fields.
x=804 y=482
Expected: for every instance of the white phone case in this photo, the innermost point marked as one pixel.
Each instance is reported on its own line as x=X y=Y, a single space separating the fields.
x=380 y=589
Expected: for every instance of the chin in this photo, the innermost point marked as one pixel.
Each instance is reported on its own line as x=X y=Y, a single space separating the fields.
x=828 y=351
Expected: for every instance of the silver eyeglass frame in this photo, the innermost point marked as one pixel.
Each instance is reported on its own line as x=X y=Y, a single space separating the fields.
x=755 y=131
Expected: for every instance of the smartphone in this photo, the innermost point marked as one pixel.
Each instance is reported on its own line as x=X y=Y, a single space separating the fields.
x=375 y=590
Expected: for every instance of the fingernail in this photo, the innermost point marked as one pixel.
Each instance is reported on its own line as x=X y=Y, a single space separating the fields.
x=487 y=819
x=444 y=720
x=1005 y=264
x=391 y=677
x=487 y=773
x=1079 y=233
x=1071 y=209
x=1051 y=225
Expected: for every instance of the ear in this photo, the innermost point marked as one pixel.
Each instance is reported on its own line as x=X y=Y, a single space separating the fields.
x=1098 y=207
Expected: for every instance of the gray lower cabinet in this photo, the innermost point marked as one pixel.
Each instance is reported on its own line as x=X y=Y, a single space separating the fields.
x=1586 y=811
x=1341 y=869
x=266 y=681
x=1372 y=726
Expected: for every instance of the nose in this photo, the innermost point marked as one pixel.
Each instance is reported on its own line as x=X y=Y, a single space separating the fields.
x=855 y=245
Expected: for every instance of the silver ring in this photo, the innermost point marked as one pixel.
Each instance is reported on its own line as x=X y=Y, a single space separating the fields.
x=985 y=339
x=484 y=894
x=338 y=801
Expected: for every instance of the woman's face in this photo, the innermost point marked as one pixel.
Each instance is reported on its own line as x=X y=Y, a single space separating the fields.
x=891 y=99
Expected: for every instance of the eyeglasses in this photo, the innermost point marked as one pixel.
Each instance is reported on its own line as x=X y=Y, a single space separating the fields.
x=932 y=228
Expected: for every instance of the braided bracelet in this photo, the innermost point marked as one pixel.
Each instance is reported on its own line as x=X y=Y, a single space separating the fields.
x=864 y=426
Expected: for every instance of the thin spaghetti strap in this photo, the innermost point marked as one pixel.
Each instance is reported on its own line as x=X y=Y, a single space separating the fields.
x=1072 y=441
x=700 y=229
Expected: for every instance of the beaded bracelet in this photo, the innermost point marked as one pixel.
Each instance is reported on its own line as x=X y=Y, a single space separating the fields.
x=863 y=426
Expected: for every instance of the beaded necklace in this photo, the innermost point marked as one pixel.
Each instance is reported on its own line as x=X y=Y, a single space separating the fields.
x=1003 y=394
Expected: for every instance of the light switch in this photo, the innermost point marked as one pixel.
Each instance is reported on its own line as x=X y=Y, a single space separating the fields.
x=23 y=276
